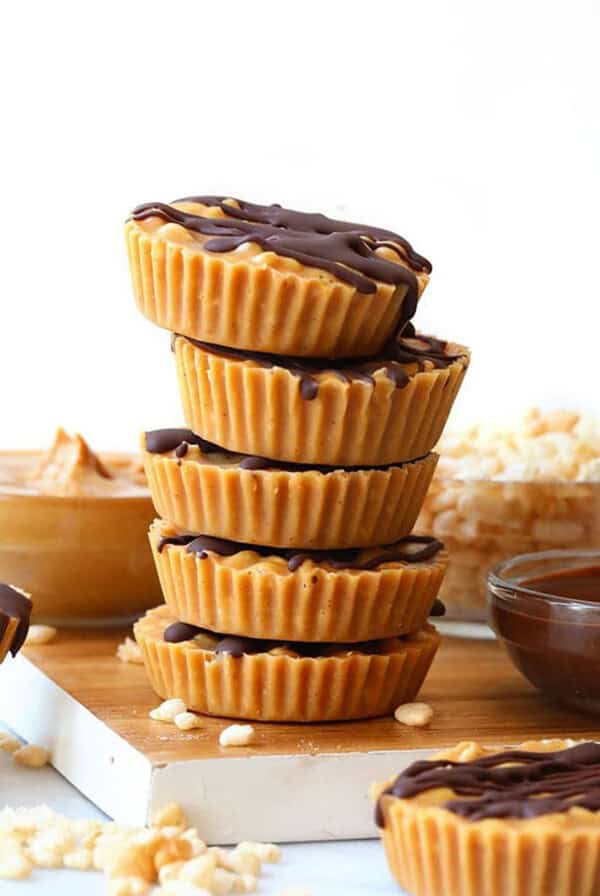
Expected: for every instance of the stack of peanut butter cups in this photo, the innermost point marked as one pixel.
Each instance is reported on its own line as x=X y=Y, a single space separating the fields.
x=293 y=588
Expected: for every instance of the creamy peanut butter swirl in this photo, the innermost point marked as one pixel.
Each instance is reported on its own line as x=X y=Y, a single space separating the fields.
x=70 y=468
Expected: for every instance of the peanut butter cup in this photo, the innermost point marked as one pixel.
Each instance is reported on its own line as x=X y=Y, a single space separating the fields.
x=293 y=595
x=478 y=822
x=382 y=410
x=201 y=487
x=270 y=279
x=282 y=682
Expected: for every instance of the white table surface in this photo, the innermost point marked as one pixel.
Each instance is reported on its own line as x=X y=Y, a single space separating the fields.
x=352 y=868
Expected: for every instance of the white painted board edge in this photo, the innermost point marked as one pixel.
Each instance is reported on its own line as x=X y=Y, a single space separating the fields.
x=104 y=767
x=275 y=798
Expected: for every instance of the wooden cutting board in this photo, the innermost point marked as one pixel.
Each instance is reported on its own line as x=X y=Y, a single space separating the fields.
x=297 y=782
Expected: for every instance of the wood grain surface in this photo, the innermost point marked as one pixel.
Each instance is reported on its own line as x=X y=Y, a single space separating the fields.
x=473 y=688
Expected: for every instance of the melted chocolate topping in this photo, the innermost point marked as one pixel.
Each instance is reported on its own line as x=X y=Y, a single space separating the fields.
x=237 y=646
x=14 y=605
x=406 y=550
x=342 y=248
x=540 y=784
x=161 y=441
x=410 y=348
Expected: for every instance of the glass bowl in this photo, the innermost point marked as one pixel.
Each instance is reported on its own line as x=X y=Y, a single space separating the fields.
x=553 y=640
x=485 y=521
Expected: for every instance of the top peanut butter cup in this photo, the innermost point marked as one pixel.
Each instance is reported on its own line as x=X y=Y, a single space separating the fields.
x=269 y=279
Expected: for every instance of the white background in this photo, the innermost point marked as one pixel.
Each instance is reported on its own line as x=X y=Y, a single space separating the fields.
x=470 y=127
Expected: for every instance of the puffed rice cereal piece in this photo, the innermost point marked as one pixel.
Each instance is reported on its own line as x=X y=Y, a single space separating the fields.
x=170 y=815
x=181 y=888
x=128 y=886
x=237 y=736
x=266 y=852
x=416 y=715
x=129 y=652
x=186 y=721
x=200 y=871
x=15 y=864
x=32 y=756
x=168 y=710
x=79 y=859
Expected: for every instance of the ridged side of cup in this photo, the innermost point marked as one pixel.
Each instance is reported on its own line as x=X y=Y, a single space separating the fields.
x=265 y=687
x=259 y=410
x=309 y=604
x=305 y=509
x=236 y=302
x=432 y=851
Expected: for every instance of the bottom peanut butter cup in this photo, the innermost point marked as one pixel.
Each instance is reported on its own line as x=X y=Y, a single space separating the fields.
x=478 y=822
x=293 y=595
x=288 y=682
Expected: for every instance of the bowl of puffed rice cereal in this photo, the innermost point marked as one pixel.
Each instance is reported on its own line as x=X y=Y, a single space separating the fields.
x=500 y=492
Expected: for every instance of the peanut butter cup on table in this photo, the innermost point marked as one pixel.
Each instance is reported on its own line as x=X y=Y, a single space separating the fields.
x=294 y=595
x=201 y=487
x=367 y=412
x=281 y=681
x=15 y=613
x=271 y=279
x=478 y=822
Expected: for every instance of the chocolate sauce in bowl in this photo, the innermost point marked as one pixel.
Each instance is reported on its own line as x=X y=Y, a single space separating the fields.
x=553 y=634
x=579 y=583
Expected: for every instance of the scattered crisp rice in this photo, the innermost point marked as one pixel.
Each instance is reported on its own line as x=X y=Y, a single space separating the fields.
x=32 y=756
x=129 y=652
x=185 y=721
x=40 y=634
x=414 y=714
x=132 y=859
x=237 y=736
x=169 y=816
x=168 y=710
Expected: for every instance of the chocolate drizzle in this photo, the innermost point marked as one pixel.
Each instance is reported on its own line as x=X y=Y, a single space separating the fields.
x=161 y=441
x=539 y=784
x=409 y=349
x=14 y=605
x=237 y=646
x=411 y=549
x=342 y=248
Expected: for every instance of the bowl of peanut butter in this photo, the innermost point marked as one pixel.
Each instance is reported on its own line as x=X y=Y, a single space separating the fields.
x=73 y=531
